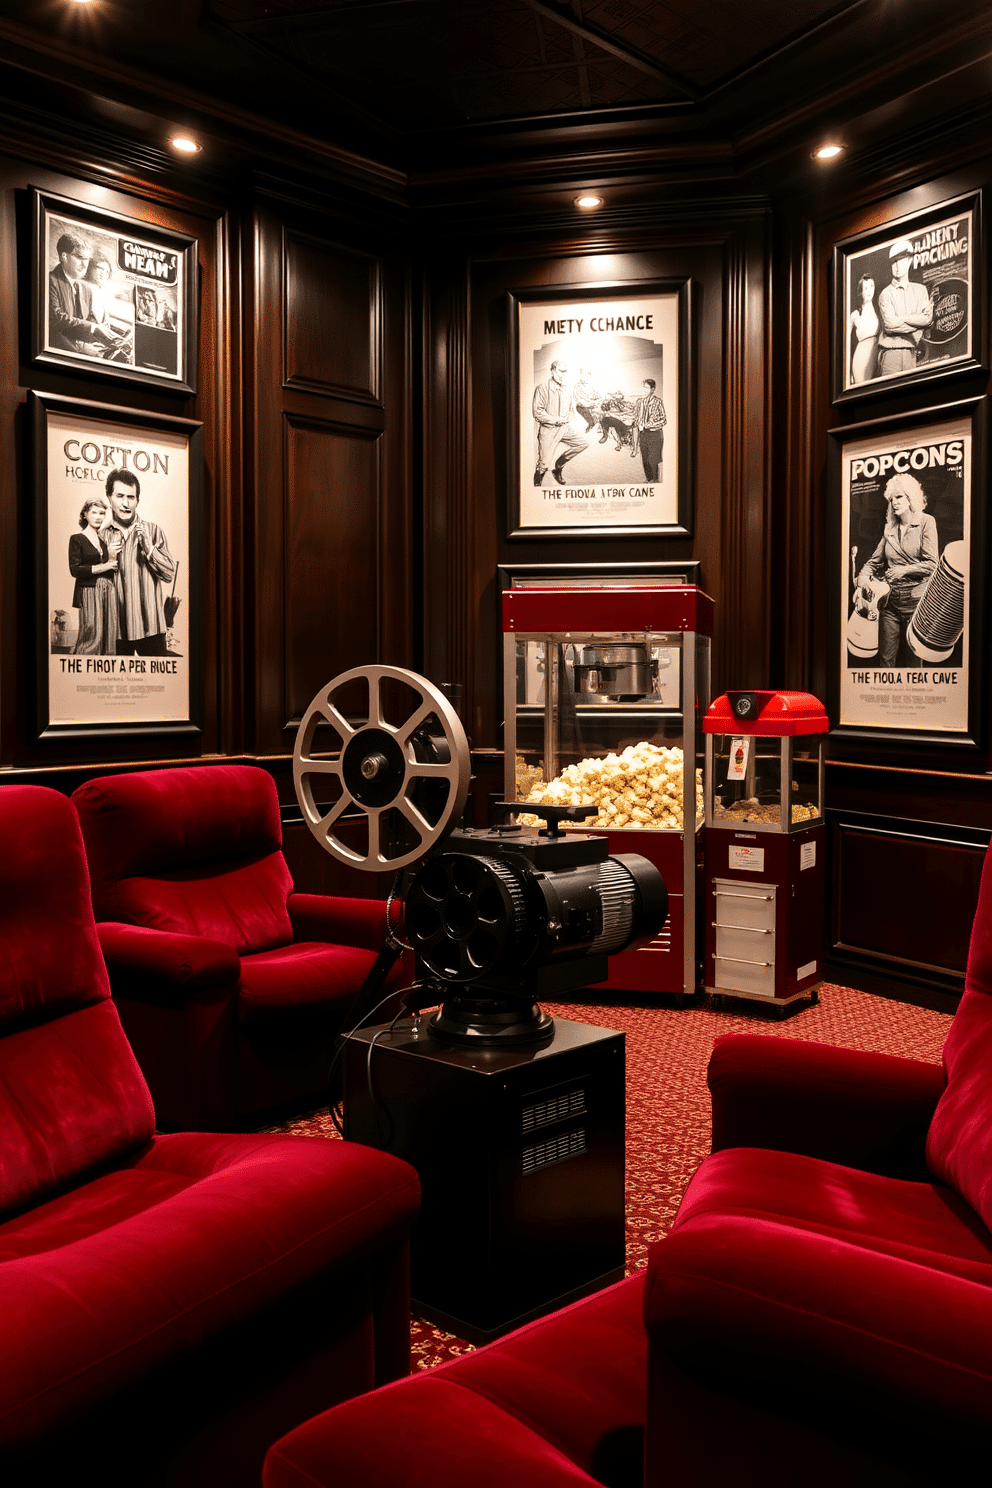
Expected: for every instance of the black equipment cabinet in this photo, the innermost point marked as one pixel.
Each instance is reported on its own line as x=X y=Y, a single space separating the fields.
x=520 y=1153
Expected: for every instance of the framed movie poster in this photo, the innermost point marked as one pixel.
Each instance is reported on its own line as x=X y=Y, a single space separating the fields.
x=118 y=569
x=907 y=300
x=601 y=402
x=111 y=295
x=907 y=556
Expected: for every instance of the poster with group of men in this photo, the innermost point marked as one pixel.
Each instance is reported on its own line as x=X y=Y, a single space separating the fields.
x=598 y=411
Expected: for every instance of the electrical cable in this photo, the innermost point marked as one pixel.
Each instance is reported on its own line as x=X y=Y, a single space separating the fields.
x=392 y=935
x=344 y=1037
x=373 y=1100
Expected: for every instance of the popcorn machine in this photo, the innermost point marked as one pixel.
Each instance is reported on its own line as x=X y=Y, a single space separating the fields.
x=764 y=846
x=605 y=688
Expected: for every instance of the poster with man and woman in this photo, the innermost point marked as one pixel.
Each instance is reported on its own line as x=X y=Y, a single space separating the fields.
x=116 y=510
x=906 y=300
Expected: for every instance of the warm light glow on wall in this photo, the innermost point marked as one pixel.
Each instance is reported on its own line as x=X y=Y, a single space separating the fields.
x=588 y=201
x=828 y=152
x=184 y=143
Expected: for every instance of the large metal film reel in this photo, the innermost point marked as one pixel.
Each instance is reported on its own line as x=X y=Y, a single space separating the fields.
x=395 y=785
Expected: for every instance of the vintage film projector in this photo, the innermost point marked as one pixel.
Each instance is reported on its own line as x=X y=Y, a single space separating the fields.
x=496 y=917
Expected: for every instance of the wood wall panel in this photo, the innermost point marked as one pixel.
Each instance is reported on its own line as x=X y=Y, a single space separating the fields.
x=329 y=485
x=331 y=318
x=450 y=595
x=904 y=896
x=332 y=568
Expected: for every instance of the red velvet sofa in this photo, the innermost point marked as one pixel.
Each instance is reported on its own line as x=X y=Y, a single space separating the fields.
x=230 y=986
x=821 y=1312
x=171 y=1304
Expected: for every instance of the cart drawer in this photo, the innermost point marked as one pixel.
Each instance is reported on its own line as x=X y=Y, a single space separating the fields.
x=744 y=976
x=749 y=906
x=741 y=943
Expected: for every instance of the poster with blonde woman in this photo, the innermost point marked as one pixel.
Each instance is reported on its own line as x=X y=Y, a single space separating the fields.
x=904 y=586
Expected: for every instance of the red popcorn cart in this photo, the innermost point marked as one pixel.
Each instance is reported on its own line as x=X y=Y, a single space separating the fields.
x=605 y=688
x=764 y=904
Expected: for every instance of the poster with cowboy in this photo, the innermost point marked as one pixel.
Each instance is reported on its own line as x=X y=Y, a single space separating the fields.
x=907 y=300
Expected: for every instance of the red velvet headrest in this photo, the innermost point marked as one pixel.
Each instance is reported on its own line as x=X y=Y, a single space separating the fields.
x=160 y=821
x=959 y=1144
x=51 y=959
x=196 y=851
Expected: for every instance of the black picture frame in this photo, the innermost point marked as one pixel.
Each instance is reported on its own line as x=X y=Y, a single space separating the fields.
x=614 y=505
x=933 y=693
x=948 y=263
x=146 y=301
x=97 y=692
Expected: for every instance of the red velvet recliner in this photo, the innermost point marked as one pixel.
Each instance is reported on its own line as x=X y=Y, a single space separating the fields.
x=171 y=1304
x=230 y=986
x=820 y=1314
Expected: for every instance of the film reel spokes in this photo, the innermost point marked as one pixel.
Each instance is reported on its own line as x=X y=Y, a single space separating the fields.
x=396 y=783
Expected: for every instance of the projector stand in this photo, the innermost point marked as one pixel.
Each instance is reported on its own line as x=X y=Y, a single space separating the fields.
x=520 y=1153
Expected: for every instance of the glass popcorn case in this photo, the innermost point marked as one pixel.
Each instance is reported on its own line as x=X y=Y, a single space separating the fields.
x=605 y=688
x=769 y=780
x=764 y=846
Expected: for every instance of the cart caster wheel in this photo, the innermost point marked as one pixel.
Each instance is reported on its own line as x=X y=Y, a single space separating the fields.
x=717 y=1001
x=781 y=1013
x=814 y=997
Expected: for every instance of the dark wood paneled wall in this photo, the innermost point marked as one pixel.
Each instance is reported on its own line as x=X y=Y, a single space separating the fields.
x=353 y=393
x=306 y=395
x=214 y=405
x=908 y=823
x=465 y=476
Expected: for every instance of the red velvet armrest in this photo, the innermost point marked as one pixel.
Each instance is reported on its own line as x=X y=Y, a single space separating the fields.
x=158 y=966
x=427 y=1431
x=841 y=1339
x=868 y=1111
x=353 y=922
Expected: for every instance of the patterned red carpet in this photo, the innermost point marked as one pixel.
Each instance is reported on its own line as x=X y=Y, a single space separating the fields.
x=668 y=1110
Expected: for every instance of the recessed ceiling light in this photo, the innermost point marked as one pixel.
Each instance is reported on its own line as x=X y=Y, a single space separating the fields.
x=588 y=201
x=828 y=152
x=184 y=143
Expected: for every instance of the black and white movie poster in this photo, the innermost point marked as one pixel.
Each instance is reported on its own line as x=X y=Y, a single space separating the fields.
x=907 y=298
x=113 y=296
x=906 y=517
x=598 y=412
x=117 y=512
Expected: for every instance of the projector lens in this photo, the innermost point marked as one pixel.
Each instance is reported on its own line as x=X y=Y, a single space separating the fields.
x=471 y=916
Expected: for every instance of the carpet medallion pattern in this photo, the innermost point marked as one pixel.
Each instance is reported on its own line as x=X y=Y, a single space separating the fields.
x=668 y=1107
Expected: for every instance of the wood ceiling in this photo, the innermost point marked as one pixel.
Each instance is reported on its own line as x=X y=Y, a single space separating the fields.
x=550 y=91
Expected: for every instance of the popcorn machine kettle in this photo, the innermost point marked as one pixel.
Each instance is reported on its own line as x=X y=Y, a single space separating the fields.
x=604 y=688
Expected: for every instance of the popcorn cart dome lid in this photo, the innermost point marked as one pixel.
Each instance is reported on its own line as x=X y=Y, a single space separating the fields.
x=768 y=714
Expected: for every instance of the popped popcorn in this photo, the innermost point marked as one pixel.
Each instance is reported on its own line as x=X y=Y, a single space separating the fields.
x=640 y=788
x=751 y=811
x=528 y=776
